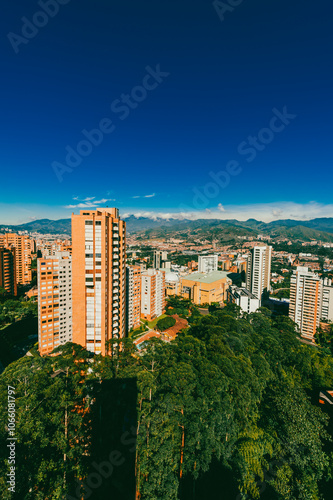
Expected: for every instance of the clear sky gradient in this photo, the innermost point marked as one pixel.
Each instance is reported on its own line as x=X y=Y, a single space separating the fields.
x=221 y=81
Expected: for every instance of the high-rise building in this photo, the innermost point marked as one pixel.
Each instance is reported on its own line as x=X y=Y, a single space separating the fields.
x=311 y=299
x=159 y=257
x=54 y=277
x=152 y=294
x=327 y=301
x=24 y=247
x=258 y=273
x=8 y=270
x=99 y=264
x=207 y=263
x=133 y=297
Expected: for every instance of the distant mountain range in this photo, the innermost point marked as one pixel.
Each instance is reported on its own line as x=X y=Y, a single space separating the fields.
x=315 y=229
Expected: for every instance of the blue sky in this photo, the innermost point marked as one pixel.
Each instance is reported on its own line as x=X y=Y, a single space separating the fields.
x=221 y=81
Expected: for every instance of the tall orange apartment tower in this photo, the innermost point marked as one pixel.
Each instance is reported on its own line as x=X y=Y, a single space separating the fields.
x=98 y=271
x=23 y=249
x=8 y=270
x=133 y=297
x=54 y=276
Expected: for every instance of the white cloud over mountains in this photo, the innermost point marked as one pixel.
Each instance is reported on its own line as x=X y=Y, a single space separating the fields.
x=265 y=212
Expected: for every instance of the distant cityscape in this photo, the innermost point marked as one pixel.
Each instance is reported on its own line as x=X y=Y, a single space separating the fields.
x=103 y=284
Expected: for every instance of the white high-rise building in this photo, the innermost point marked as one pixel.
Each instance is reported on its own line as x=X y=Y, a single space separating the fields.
x=207 y=263
x=327 y=301
x=54 y=274
x=258 y=272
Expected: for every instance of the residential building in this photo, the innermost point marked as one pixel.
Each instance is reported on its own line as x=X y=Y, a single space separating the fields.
x=24 y=247
x=172 y=284
x=243 y=298
x=258 y=273
x=306 y=290
x=205 y=288
x=99 y=275
x=133 y=297
x=152 y=294
x=8 y=270
x=326 y=313
x=207 y=263
x=54 y=278
x=226 y=264
x=159 y=257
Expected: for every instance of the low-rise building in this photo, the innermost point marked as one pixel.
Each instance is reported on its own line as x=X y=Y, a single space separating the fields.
x=205 y=288
x=248 y=302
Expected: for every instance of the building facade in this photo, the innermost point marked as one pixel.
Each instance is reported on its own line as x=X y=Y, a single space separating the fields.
x=204 y=288
x=243 y=298
x=133 y=297
x=24 y=247
x=258 y=275
x=99 y=275
x=160 y=256
x=327 y=301
x=54 y=278
x=207 y=263
x=311 y=300
x=8 y=270
x=152 y=294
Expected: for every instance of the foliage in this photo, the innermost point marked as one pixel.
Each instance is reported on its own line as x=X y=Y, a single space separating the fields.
x=165 y=323
x=239 y=391
x=12 y=310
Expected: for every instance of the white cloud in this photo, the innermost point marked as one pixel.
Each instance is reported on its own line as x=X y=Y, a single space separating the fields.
x=265 y=212
x=89 y=202
x=145 y=196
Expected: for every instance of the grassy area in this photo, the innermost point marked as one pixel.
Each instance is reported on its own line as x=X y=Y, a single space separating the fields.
x=136 y=333
x=152 y=324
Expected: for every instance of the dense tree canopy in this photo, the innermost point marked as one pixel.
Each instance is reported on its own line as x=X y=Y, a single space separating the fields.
x=234 y=393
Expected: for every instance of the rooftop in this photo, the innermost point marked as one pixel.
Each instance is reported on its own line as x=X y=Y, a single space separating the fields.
x=207 y=277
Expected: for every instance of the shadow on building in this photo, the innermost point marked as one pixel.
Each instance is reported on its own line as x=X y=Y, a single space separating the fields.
x=112 y=455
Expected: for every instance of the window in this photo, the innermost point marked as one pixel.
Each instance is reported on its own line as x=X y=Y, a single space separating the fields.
x=88 y=222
